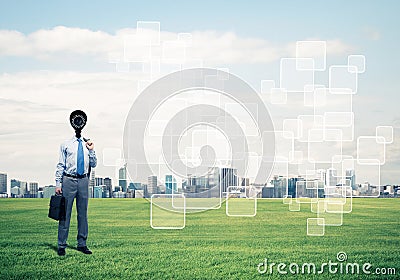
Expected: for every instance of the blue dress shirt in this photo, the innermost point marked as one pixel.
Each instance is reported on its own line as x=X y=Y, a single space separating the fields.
x=67 y=162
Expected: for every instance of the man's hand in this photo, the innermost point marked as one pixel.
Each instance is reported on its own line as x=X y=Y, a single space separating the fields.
x=58 y=191
x=90 y=145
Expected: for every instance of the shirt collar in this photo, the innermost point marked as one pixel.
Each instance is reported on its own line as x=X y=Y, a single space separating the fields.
x=76 y=139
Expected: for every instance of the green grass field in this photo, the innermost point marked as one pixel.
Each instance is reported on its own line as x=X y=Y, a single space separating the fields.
x=211 y=246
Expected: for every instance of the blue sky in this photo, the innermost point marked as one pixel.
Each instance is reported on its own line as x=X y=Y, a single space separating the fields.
x=275 y=20
x=361 y=27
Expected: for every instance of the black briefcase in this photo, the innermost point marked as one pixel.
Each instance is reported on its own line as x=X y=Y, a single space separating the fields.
x=57 y=207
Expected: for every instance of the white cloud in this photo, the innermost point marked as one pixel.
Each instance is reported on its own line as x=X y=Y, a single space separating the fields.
x=211 y=46
x=229 y=48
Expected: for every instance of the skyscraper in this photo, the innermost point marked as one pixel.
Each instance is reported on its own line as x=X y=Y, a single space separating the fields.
x=122 y=178
x=170 y=184
x=108 y=183
x=15 y=188
x=99 y=181
x=15 y=183
x=24 y=188
x=331 y=177
x=213 y=182
x=15 y=191
x=292 y=185
x=152 y=185
x=33 y=189
x=280 y=186
x=106 y=191
x=3 y=183
x=351 y=176
x=92 y=181
x=227 y=177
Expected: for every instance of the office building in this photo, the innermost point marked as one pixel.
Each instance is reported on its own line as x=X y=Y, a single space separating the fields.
x=292 y=185
x=98 y=181
x=351 y=177
x=331 y=182
x=227 y=177
x=15 y=191
x=122 y=178
x=92 y=181
x=98 y=192
x=119 y=194
x=15 y=183
x=213 y=182
x=24 y=189
x=23 y=186
x=331 y=177
x=3 y=183
x=170 y=184
x=130 y=193
x=280 y=186
x=267 y=191
x=321 y=175
x=152 y=185
x=108 y=183
x=139 y=194
x=33 y=189
x=244 y=182
x=106 y=191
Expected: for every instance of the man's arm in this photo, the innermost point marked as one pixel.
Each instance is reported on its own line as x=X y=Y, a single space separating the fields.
x=92 y=154
x=60 y=169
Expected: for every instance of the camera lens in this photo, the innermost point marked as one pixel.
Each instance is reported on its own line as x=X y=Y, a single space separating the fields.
x=78 y=121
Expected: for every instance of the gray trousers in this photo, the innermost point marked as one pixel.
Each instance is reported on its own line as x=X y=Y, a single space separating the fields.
x=74 y=189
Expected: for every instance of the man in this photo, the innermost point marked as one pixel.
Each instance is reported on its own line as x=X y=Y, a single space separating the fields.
x=72 y=181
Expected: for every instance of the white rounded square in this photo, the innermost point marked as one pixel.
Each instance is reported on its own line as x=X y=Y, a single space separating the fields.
x=329 y=218
x=241 y=201
x=358 y=61
x=315 y=227
x=385 y=132
x=163 y=211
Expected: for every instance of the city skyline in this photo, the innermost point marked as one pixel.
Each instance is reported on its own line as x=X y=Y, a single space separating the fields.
x=277 y=186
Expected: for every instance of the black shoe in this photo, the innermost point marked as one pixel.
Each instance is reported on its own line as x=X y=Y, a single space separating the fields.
x=61 y=251
x=84 y=249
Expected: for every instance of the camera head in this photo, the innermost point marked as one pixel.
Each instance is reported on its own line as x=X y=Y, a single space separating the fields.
x=78 y=120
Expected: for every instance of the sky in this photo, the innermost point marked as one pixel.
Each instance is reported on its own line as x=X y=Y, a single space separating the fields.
x=55 y=57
